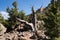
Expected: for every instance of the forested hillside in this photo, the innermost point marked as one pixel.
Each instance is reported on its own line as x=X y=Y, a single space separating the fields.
x=47 y=20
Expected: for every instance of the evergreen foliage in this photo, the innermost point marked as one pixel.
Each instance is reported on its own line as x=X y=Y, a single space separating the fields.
x=52 y=21
x=1 y=19
x=13 y=13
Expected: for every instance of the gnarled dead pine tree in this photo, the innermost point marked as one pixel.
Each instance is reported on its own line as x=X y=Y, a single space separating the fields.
x=34 y=21
x=33 y=25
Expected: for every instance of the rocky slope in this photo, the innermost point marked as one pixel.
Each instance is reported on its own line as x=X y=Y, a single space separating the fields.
x=20 y=35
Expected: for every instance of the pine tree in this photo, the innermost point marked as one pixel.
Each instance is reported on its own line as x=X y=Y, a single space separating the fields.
x=51 y=21
x=13 y=13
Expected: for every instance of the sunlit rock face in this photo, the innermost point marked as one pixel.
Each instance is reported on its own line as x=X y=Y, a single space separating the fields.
x=2 y=29
x=18 y=35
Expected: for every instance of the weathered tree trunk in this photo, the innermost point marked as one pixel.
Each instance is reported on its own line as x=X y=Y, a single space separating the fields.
x=34 y=21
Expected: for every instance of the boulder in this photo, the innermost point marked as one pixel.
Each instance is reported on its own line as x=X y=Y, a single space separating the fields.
x=2 y=29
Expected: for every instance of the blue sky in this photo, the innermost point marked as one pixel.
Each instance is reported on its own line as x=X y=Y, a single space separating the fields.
x=23 y=5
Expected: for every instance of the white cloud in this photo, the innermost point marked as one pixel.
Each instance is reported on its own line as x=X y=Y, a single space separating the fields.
x=4 y=14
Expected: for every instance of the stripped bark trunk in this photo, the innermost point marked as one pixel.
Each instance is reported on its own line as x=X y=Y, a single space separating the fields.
x=34 y=21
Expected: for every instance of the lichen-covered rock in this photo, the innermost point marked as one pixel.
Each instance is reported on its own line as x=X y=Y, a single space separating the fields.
x=2 y=29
